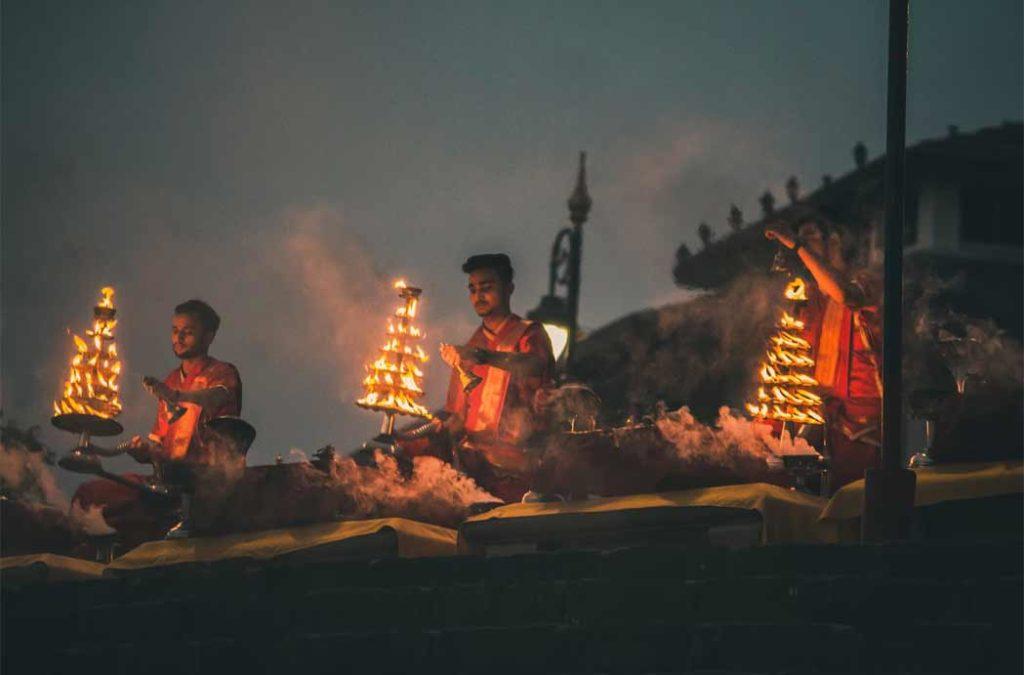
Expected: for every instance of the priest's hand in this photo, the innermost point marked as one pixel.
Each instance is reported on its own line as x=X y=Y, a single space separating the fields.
x=159 y=389
x=472 y=356
x=450 y=355
x=138 y=448
x=779 y=234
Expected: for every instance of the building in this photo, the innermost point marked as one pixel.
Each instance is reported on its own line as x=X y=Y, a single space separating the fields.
x=963 y=217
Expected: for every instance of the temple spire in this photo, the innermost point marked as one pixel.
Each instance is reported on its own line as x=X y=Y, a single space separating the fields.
x=579 y=200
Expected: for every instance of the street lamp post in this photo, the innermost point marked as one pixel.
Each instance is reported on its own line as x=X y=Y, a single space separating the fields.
x=889 y=490
x=557 y=312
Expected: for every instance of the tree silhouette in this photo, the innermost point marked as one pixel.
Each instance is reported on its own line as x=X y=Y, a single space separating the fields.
x=792 y=189
x=860 y=154
x=705 y=234
x=735 y=218
x=767 y=202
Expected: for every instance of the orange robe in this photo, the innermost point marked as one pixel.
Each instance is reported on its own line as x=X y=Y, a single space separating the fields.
x=500 y=414
x=847 y=348
x=183 y=438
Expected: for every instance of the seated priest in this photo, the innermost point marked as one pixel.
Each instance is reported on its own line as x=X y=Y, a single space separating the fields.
x=497 y=376
x=199 y=390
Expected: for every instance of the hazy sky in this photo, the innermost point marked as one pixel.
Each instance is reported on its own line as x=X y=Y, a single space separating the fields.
x=285 y=161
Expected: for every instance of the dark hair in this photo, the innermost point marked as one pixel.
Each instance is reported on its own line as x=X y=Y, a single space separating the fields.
x=499 y=262
x=202 y=312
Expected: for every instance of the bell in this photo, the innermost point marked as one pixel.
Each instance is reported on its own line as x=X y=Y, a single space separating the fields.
x=468 y=379
x=175 y=412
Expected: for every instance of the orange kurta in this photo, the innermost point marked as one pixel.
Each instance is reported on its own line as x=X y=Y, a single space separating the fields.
x=134 y=518
x=502 y=407
x=847 y=350
x=501 y=414
x=183 y=437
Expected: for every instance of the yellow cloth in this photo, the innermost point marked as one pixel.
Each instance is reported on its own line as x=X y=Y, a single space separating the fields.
x=414 y=540
x=56 y=567
x=787 y=515
x=937 y=484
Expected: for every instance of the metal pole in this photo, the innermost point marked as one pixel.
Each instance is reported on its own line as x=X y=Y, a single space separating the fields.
x=574 y=292
x=889 y=490
x=895 y=182
x=579 y=208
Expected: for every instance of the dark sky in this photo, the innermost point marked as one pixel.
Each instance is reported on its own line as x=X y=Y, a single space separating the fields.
x=286 y=161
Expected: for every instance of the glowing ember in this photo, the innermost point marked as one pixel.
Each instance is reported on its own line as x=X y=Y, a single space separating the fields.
x=393 y=383
x=787 y=386
x=91 y=387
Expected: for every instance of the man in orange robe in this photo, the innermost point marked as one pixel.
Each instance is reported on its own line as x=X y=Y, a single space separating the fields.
x=492 y=422
x=199 y=390
x=842 y=319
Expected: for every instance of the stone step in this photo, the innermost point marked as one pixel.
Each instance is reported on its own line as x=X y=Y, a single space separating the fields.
x=611 y=647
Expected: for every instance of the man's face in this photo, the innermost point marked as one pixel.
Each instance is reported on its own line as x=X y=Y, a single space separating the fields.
x=188 y=339
x=810 y=236
x=488 y=293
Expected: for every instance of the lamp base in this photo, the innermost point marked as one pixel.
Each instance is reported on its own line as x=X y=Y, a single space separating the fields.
x=82 y=423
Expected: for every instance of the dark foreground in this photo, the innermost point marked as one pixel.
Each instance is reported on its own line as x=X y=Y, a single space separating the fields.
x=920 y=607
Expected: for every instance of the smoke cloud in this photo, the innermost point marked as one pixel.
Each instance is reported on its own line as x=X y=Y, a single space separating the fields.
x=25 y=470
x=673 y=450
x=332 y=487
x=89 y=520
x=703 y=353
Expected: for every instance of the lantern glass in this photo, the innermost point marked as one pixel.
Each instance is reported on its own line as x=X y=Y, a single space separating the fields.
x=559 y=336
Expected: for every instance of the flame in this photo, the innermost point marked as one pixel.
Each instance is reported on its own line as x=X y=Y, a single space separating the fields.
x=92 y=387
x=790 y=322
x=392 y=383
x=786 y=390
x=796 y=290
x=107 y=301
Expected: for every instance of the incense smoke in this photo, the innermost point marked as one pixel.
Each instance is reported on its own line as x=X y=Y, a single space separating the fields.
x=25 y=472
x=703 y=353
x=332 y=487
x=37 y=516
x=672 y=450
x=89 y=519
x=340 y=290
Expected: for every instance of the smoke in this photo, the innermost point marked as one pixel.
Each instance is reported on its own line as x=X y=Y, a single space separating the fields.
x=673 y=450
x=37 y=516
x=89 y=520
x=703 y=353
x=329 y=488
x=970 y=349
x=732 y=442
x=25 y=470
x=432 y=492
x=336 y=289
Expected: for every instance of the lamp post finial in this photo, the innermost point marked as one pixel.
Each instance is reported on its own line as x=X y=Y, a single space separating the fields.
x=579 y=200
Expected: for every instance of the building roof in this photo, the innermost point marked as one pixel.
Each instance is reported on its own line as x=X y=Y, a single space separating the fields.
x=855 y=198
